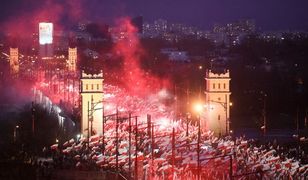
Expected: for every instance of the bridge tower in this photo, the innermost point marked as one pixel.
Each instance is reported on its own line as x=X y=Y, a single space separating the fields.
x=91 y=90
x=217 y=99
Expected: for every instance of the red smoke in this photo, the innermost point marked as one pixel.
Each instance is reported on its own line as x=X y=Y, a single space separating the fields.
x=25 y=23
x=136 y=80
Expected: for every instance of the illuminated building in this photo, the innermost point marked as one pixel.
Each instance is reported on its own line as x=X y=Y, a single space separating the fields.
x=217 y=98
x=236 y=27
x=72 y=59
x=14 y=62
x=160 y=25
x=46 y=40
x=91 y=103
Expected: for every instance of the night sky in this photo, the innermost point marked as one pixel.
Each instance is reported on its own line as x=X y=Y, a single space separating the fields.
x=269 y=14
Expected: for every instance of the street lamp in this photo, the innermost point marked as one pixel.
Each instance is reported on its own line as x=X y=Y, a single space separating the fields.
x=15 y=132
x=198 y=109
x=264 y=127
x=78 y=136
x=32 y=117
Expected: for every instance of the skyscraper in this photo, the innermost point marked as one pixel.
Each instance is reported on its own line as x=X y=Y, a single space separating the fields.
x=46 y=40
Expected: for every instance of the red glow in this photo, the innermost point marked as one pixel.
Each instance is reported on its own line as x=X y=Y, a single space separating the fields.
x=25 y=23
x=136 y=80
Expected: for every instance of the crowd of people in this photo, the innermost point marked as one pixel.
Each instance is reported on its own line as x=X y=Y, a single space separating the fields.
x=170 y=153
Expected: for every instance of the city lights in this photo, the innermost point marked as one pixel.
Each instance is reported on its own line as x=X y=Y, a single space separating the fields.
x=86 y=91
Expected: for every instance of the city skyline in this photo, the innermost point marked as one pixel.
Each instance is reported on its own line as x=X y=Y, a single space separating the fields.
x=273 y=15
x=200 y=89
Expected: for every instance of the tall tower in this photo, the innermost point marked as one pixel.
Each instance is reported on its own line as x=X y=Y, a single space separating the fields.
x=46 y=40
x=217 y=97
x=72 y=59
x=92 y=95
x=14 y=62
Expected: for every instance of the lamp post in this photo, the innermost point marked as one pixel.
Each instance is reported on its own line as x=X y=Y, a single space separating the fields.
x=152 y=150
x=136 y=148
x=173 y=151
x=297 y=132
x=15 y=133
x=117 y=140
x=88 y=122
x=129 y=144
x=264 y=115
x=91 y=110
x=198 y=108
x=32 y=115
x=187 y=117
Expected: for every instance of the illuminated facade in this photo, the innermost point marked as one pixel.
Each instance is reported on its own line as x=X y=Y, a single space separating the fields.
x=217 y=97
x=45 y=33
x=72 y=59
x=14 y=62
x=91 y=103
x=46 y=40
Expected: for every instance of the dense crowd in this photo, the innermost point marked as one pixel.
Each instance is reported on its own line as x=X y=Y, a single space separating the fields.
x=175 y=153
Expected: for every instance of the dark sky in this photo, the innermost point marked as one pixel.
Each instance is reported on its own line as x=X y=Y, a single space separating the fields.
x=269 y=14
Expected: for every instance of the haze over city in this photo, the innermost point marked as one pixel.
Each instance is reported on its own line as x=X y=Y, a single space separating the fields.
x=202 y=89
x=269 y=15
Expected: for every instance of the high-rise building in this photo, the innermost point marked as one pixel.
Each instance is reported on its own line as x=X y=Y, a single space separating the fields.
x=161 y=26
x=46 y=40
x=14 y=62
x=217 y=98
x=91 y=90
x=236 y=27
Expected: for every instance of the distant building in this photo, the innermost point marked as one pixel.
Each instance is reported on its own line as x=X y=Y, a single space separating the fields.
x=170 y=31
x=234 y=32
x=72 y=59
x=161 y=26
x=241 y=26
x=176 y=28
x=46 y=40
x=175 y=55
x=90 y=53
x=60 y=42
x=14 y=62
x=217 y=99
